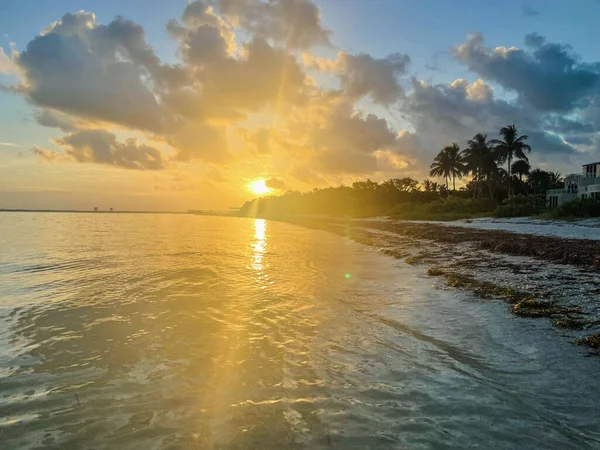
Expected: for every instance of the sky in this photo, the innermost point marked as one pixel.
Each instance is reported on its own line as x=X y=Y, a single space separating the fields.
x=176 y=105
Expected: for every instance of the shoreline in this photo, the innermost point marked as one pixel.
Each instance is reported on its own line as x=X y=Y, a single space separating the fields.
x=571 y=251
x=537 y=276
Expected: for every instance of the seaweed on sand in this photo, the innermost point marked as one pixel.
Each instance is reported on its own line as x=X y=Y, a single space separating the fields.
x=592 y=341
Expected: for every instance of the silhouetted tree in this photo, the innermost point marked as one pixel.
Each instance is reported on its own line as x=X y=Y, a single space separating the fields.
x=480 y=160
x=430 y=186
x=521 y=167
x=364 y=198
x=511 y=146
x=405 y=184
x=448 y=164
x=556 y=180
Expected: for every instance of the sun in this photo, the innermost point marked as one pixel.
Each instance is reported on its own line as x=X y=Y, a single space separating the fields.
x=259 y=187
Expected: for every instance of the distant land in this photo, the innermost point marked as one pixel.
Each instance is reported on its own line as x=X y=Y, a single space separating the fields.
x=91 y=211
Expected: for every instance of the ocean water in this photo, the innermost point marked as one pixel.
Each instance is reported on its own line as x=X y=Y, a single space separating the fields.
x=143 y=331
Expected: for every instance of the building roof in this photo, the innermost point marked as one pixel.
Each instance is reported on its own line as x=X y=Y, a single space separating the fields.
x=591 y=164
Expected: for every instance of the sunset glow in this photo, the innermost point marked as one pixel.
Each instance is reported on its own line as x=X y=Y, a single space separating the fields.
x=202 y=104
x=367 y=224
x=259 y=187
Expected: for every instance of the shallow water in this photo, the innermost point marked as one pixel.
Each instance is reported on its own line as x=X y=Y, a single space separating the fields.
x=173 y=331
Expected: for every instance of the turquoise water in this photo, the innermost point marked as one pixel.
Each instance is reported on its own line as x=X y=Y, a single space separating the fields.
x=127 y=331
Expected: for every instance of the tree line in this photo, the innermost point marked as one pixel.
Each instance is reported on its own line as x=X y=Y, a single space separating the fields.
x=482 y=160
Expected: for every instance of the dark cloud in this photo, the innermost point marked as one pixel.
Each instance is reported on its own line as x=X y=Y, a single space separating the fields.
x=551 y=78
x=55 y=119
x=362 y=75
x=560 y=124
x=548 y=145
x=102 y=147
x=454 y=112
x=347 y=129
x=534 y=40
x=94 y=71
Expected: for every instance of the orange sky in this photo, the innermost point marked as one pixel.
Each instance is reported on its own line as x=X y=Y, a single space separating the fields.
x=250 y=92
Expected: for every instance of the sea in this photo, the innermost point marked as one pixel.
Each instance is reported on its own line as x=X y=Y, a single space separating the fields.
x=178 y=331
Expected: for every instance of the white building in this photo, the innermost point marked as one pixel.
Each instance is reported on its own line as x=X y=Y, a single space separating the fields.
x=586 y=185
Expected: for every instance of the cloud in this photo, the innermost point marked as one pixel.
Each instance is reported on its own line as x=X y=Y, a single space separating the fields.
x=216 y=175
x=275 y=183
x=528 y=11
x=224 y=84
x=86 y=75
x=102 y=147
x=7 y=65
x=455 y=111
x=551 y=78
x=258 y=141
x=296 y=24
x=48 y=155
x=534 y=40
x=305 y=175
x=330 y=136
x=55 y=119
x=362 y=75
x=570 y=131
x=8 y=144
x=200 y=141
x=242 y=65
x=549 y=144
x=263 y=76
x=94 y=71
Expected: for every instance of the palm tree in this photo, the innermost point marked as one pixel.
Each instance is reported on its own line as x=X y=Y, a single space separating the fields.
x=448 y=164
x=457 y=167
x=511 y=146
x=520 y=167
x=430 y=186
x=480 y=160
x=556 y=180
x=440 y=167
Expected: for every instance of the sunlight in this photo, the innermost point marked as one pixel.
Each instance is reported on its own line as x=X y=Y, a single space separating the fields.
x=259 y=247
x=259 y=187
x=260 y=226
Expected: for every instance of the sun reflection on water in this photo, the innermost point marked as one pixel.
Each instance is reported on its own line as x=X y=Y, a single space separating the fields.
x=259 y=249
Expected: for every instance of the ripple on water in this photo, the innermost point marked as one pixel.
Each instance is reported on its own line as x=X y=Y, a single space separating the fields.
x=176 y=331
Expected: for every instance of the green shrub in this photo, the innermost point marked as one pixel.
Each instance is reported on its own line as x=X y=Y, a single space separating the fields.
x=581 y=207
x=517 y=206
x=461 y=205
x=452 y=208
